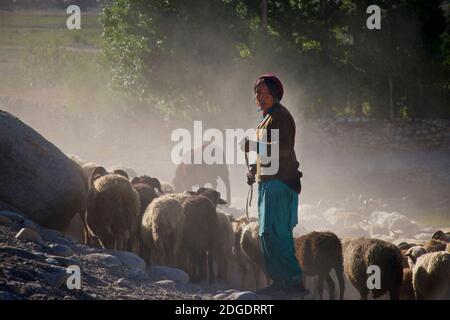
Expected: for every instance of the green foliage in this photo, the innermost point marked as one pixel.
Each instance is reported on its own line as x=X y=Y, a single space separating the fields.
x=197 y=55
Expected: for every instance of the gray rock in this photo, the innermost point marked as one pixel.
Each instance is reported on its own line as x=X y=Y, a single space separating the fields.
x=230 y=291
x=22 y=253
x=105 y=260
x=130 y=260
x=244 y=295
x=12 y=215
x=51 y=235
x=60 y=250
x=29 y=235
x=64 y=262
x=137 y=275
x=168 y=284
x=56 y=276
x=33 y=288
x=28 y=224
x=220 y=296
x=168 y=273
x=5 y=220
x=45 y=178
x=9 y=296
x=52 y=261
x=122 y=282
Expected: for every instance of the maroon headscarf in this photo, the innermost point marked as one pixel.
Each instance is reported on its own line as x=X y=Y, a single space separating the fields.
x=273 y=83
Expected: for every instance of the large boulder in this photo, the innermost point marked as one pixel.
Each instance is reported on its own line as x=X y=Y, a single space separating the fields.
x=38 y=180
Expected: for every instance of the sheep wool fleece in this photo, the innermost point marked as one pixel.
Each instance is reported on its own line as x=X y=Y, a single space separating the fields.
x=277 y=209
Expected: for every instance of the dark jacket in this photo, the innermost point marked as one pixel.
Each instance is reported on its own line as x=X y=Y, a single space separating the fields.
x=280 y=118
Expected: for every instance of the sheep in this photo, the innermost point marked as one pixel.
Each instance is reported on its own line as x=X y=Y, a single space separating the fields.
x=410 y=255
x=431 y=276
x=167 y=188
x=161 y=230
x=318 y=253
x=434 y=245
x=448 y=247
x=250 y=244
x=224 y=246
x=242 y=263
x=361 y=253
x=440 y=235
x=147 y=188
x=152 y=182
x=112 y=210
x=199 y=232
x=131 y=173
x=407 y=290
x=413 y=253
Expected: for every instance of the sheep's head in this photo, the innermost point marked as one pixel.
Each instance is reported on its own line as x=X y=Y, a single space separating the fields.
x=121 y=172
x=152 y=182
x=211 y=194
x=413 y=254
x=98 y=173
x=440 y=235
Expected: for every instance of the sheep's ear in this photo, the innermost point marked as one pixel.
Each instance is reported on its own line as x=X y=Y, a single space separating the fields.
x=135 y=180
x=221 y=201
x=156 y=184
x=121 y=173
x=97 y=173
x=192 y=193
x=437 y=235
x=201 y=190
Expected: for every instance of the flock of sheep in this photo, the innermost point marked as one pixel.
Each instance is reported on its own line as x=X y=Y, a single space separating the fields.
x=188 y=231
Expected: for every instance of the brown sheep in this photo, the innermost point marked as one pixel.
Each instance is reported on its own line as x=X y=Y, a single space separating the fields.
x=435 y=245
x=130 y=173
x=443 y=236
x=147 y=188
x=162 y=230
x=318 y=253
x=113 y=210
x=407 y=291
x=224 y=246
x=199 y=232
x=152 y=182
x=361 y=253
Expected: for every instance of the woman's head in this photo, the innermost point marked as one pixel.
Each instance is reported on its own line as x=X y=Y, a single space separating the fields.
x=268 y=91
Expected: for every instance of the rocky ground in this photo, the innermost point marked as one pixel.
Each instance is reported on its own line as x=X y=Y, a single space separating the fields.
x=34 y=264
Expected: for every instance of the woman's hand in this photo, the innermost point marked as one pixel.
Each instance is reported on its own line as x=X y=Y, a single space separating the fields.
x=251 y=175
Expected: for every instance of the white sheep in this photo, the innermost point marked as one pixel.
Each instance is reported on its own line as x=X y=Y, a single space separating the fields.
x=431 y=276
x=162 y=230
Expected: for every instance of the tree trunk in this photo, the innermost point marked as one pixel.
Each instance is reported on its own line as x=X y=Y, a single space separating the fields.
x=264 y=15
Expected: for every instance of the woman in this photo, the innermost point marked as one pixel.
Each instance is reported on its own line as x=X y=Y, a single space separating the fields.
x=277 y=193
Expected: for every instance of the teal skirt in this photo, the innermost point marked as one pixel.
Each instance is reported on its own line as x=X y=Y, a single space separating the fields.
x=277 y=209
